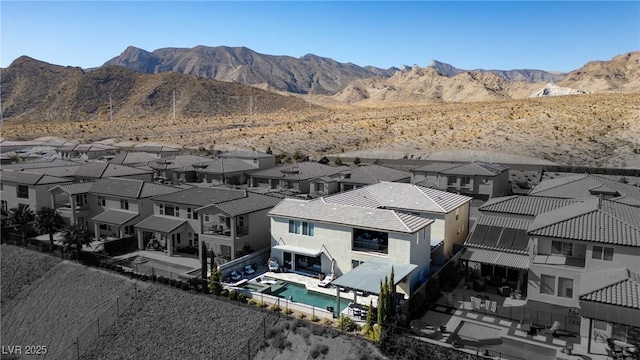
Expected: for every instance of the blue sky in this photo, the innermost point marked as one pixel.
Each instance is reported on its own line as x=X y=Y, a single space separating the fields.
x=546 y=35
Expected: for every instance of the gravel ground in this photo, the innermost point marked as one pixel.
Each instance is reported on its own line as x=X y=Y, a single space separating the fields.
x=62 y=307
x=168 y=323
x=21 y=267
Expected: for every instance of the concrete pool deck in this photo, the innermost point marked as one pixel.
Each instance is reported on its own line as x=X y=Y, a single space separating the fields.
x=452 y=318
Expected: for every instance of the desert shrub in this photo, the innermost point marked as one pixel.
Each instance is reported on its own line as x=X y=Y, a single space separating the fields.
x=179 y=284
x=327 y=321
x=252 y=302
x=345 y=323
x=315 y=318
x=233 y=295
x=301 y=315
x=172 y=282
x=262 y=305
x=318 y=330
x=242 y=298
x=224 y=293
x=318 y=349
x=280 y=342
x=185 y=286
x=288 y=311
x=275 y=308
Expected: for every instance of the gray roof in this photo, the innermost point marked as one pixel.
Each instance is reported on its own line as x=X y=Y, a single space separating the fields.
x=625 y=292
x=246 y=154
x=105 y=170
x=91 y=147
x=201 y=196
x=477 y=168
x=585 y=185
x=222 y=166
x=371 y=218
x=133 y=157
x=500 y=233
x=74 y=188
x=251 y=203
x=176 y=162
x=162 y=224
x=597 y=220
x=130 y=188
x=428 y=184
x=371 y=174
x=38 y=164
x=155 y=148
x=27 y=178
x=114 y=217
x=61 y=171
x=524 y=205
x=369 y=275
x=401 y=196
x=435 y=167
x=299 y=171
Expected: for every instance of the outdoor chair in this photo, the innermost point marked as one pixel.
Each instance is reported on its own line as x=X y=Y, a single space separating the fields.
x=613 y=355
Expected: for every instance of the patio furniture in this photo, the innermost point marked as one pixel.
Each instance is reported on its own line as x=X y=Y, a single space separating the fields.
x=235 y=276
x=613 y=355
x=248 y=269
x=504 y=291
x=326 y=281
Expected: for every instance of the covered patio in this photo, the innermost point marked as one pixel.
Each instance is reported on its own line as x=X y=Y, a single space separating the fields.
x=114 y=224
x=508 y=272
x=160 y=233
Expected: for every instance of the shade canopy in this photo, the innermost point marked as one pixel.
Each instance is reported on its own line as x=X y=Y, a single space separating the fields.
x=368 y=275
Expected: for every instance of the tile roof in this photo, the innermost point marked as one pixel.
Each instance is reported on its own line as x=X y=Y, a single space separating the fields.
x=593 y=219
x=299 y=171
x=477 y=168
x=524 y=205
x=114 y=217
x=428 y=184
x=176 y=162
x=222 y=166
x=61 y=171
x=380 y=219
x=246 y=154
x=130 y=188
x=201 y=196
x=587 y=185
x=435 y=167
x=74 y=188
x=92 y=147
x=162 y=224
x=105 y=170
x=133 y=157
x=371 y=174
x=413 y=197
x=499 y=233
x=624 y=293
x=28 y=178
x=251 y=203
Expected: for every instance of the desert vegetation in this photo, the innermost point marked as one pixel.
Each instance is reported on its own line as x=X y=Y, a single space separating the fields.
x=21 y=267
x=589 y=129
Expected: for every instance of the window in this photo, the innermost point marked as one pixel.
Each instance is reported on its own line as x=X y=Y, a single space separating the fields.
x=356 y=263
x=189 y=214
x=190 y=237
x=600 y=325
x=169 y=210
x=465 y=180
x=319 y=187
x=547 y=284
x=206 y=217
x=128 y=230
x=561 y=248
x=294 y=227
x=161 y=209
x=195 y=240
x=105 y=227
x=23 y=191
x=307 y=228
x=451 y=180
x=101 y=201
x=565 y=287
x=124 y=204
x=81 y=199
x=602 y=253
x=195 y=215
x=177 y=211
x=5 y=206
x=240 y=221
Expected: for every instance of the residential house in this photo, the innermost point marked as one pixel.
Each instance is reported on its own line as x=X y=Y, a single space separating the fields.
x=477 y=179
x=85 y=152
x=295 y=177
x=224 y=171
x=586 y=249
x=357 y=177
x=95 y=171
x=72 y=202
x=134 y=158
x=316 y=236
x=118 y=204
x=262 y=160
x=159 y=151
x=227 y=220
x=22 y=187
x=176 y=168
x=588 y=185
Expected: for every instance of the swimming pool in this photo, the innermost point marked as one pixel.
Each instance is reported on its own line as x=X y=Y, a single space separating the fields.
x=143 y=265
x=299 y=293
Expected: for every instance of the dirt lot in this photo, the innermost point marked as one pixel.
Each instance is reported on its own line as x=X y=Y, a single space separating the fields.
x=21 y=267
x=60 y=307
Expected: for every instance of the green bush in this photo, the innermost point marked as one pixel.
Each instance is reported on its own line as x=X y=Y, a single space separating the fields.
x=242 y=298
x=224 y=293
x=288 y=311
x=252 y=302
x=315 y=318
x=233 y=295
x=345 y=323
x=275 y=308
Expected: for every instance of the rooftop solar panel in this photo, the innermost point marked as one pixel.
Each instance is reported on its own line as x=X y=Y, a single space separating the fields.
x=506 y=240
x=477 y=237
x=521 y=241
x=492 y=236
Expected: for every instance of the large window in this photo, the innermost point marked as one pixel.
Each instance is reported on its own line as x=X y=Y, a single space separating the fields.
x=319 y=187
x=124 y=204
x=101 y=200
x=451 y=180
x=547 y=284
x=23 y=191
x=465 y=180
x=169 y=210
x=370 y=240
x=301 y=227
x=561 y=248
x=602 y=253
x=565 y=287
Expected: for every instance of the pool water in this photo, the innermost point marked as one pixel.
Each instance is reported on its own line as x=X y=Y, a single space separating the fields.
x=300 y=294
x=161 y=268
x=523 y=350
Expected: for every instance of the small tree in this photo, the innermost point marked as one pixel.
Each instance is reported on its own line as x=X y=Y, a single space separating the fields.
x=76 y=236
x=48 y=221
x=356 y=160
x=20 y=217
x=268 y=151
x=337 y=161
x=203 y=255
x=214 y=282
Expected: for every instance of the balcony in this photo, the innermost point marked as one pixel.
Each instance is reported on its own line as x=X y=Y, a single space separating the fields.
x=559 y=260
x=223 y=230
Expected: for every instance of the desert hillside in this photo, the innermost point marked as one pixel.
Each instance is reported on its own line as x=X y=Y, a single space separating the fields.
x=620 y=74
x=588 y=129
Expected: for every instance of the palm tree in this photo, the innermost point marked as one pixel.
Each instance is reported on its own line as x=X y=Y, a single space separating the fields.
x=76 y=236
x=20 y=217
x=48 y=221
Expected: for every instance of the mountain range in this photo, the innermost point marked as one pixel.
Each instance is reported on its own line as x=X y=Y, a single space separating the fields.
x=212 y=81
